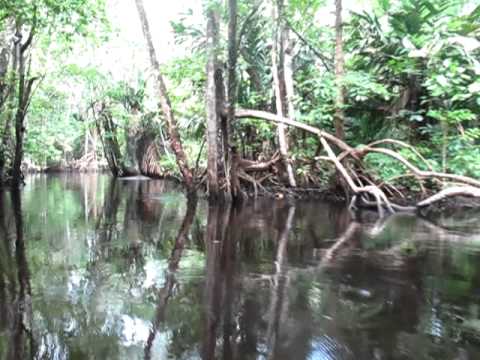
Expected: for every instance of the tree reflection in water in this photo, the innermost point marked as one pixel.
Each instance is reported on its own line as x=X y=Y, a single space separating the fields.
x=15 y=289
x=92 y=268
x=166 y=291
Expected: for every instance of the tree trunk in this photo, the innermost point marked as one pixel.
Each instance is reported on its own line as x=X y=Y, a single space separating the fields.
x=339 y=73
x=220 y=114
x=278 y=62
x=288 y=73
x=131 y=160
x=230 y=171
x=85 y=142
x=444 y=125
x=148 y=155
x=5 y=51
x=22 y=97
x=111 y=149
x=175 y=141
x=7 y=96
x=6 y=136
x=212 y=113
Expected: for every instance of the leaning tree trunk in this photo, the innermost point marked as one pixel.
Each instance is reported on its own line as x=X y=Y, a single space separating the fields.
x=278 y=59
x=175 y=140
x=339 y=73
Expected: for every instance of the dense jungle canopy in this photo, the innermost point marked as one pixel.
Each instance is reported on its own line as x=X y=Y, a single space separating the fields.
x=185 y=90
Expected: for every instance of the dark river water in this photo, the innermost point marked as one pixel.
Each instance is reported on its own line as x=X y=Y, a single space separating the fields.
x=93 y=268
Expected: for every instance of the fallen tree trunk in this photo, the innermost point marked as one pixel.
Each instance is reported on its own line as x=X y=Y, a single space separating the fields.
x=368 y=189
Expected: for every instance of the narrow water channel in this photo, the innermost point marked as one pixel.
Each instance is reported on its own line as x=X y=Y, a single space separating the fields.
x=95 y=268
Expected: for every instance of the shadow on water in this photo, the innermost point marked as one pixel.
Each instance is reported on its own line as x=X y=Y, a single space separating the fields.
x=93 y=268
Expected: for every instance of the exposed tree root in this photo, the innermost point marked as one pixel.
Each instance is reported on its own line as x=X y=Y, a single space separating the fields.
x=256 y=184
x=469 y=191
x=366 y=190
x=246 y=169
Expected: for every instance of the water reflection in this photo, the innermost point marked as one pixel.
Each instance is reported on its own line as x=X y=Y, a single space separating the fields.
x=167 y=291
x=15 y=291
x=94 y=268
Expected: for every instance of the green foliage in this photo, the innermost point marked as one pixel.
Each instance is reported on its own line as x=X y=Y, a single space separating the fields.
x=62 y=19
x=412 y=73
x=421 y=58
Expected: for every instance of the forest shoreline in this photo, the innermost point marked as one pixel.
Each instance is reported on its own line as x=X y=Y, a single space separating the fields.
x=254 y=111
x=325 y=193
